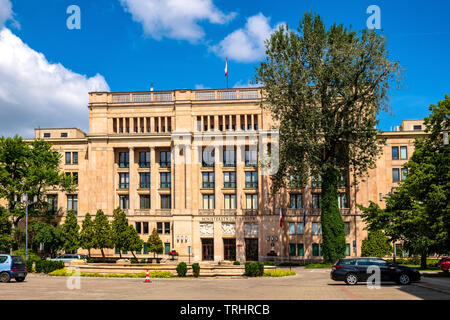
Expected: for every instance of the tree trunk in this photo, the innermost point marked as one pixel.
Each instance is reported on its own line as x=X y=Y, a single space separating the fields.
x=89 y=253
x=423 y=260
x=103 y=254
x=333 y=232
x=134 y=256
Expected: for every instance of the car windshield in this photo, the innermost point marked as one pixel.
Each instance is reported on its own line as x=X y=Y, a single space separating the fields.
x=3 y=259
x=18 y=260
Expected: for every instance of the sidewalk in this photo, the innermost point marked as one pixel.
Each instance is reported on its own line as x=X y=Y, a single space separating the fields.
x=438 y=284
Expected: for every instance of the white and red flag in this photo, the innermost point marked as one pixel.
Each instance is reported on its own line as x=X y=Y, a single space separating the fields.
x=281 y=218
x=226 y=67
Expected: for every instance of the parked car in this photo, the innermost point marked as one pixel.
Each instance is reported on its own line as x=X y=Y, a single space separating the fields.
x=354 y=270
x=69 y=257
x=444 y=264
x=12 y=267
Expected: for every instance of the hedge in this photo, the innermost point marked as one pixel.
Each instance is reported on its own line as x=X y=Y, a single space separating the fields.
x=196 y=269
x=182 y=269
x=254 y=269
x=47 y=266
x=279 y=273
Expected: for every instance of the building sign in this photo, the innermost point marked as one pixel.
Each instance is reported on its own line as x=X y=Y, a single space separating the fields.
x=230 y=219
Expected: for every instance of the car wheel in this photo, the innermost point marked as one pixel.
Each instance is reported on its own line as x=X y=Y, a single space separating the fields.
x=5 y=277
x=404 y=279
x=351 y=279
x=20 y=279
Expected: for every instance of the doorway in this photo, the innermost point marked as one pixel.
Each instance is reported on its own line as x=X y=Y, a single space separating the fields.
x=207 y=249
x=251 y=249
x=229 y=249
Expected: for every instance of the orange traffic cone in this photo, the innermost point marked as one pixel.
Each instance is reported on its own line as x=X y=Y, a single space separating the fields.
x=147 y=277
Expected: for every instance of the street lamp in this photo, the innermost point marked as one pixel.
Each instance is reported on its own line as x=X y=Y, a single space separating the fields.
x=24 y=199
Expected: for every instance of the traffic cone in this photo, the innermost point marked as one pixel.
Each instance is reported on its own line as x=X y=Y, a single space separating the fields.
x=147 y=277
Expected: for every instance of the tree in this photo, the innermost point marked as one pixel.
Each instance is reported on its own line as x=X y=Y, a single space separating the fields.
x=71 y=233
x=324 y=89
x=29 y=168
x=376 y=245
x=47 y=234
x=155 y=244
x=6 y=238
x=120 y=230
x=102 y=232
x=87 y=234
x=134 y=242
x=418 y=212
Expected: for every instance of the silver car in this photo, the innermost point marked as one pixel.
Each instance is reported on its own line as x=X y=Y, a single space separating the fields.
x=69 y=257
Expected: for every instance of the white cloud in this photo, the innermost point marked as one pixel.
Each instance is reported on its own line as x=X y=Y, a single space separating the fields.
x=201 y=86
x=176 y=19
x=6 y=12
x=35 y=92
x=248 y=84
x=246 y=44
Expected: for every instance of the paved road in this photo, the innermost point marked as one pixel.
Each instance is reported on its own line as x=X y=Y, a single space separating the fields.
x=307 y=284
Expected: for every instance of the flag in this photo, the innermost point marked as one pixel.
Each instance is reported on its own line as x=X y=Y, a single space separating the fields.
x=281 y=218
x=226 y=68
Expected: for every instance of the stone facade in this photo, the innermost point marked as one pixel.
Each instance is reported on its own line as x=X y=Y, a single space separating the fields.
x=151 y=153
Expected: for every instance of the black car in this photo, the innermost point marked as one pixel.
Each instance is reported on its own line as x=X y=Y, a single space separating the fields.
x=354 y=270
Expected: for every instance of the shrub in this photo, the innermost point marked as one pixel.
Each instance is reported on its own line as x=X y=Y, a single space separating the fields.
x=269 y=263
x=196 y=269
x=279 y=273
x=260 y=269
x=376 y=245
x=318 y=265
x=182 y=269
x=90 y=260
x=143 y=261
x=236 y=263
x=153 y=274
x=133 y=260
x=47 y=266
x=254 y=269
x=290 y=264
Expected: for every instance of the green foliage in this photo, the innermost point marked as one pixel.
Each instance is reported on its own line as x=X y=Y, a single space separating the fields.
x=134 y=242
x=319 y=266
x=47 y=266
x=143 y=261
x=87 y=233
x=254 y=269
x=269 y=263
x=154 y=243
x=290 y=264
x=376 y=245
x=182 y=269
x=102 y=232
x=32 y=259
x=6 y=238
x=236 y=263
x=196 y=269
x=70 y=233
x=152 y=274
x=279 y=273
x=134 y=261
x=48 y=234
x=119 y=228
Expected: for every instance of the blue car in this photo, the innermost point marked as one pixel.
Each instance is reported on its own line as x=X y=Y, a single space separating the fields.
x=12 y=267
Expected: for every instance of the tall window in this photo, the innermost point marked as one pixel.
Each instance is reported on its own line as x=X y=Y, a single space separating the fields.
x=144 y=201
x=208 y=157
x=315 y=228
x=145 y=227
x=300 y=249
x=347 y=228
x=252 y=201
x=291 y=228
x=316 y=200
x=164 y=159
x=144 y=180
x=75 y=157
x=208 y=179
x=72 y=203
x=316 y=181
x=342 y=201
x=165 y=179
x=138 y=227
x=159 y=227
x=300 y=228
x=229 y=201
x=347 y=249
x=124 y=180
x=144 y=159
x=395 y=175
x=166 y=227
x=124 y=159
x=229 y=249
x=403 y=153
x=251 y=179
x=296 y=200
x=52 y=201
x=404 y=172
x=229 y=158
x=343 y=181
x=251 y=158
x=394 y=153
x=208 y=201
x=165 y=201
x=229 y=179
x=124 y=202
x=68 y=158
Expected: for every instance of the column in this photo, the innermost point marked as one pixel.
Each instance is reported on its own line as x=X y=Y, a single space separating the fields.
x=238 y=122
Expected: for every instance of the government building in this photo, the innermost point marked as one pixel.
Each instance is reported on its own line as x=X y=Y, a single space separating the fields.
x=195 y=165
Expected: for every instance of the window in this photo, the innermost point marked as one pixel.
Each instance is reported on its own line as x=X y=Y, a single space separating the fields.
x=167 y=227
x=292 y=249
x=208 y=179
x=342 y=201
x=315 y=249
x=165 y=180
x=165 y=201
x=124 y=180
x=394 y=153
x=251 y=158
x=291 y=228
x=343 y=181
x=300 y=228
x=316 y=200
x=208 y=201
x=52 y=201
x=316 y=181
x=145 y=248
x=124 y=159
x=164 y=159
x=230 y=201
x=315 y=228
x=63 y=134
x=145 y=227
x=229 y=158
x=72 y=203
x=296 y=200
x=144 y=180
x=159 y=227
x=252 y=201
x=138 y=227
x=207 y=157
x=300 y=250
x=347 y=249
x=68 y=158
x=347 y=228
x=251 y=179
x=417 y=127
x=395 y=175
x=229 y=249
x=75 y=157
x=404 y=172
x=403 y=153
x=75 y=177
x=144 y=201
x=229 y=179
x=144 y=159
x=295 y=181
x=207 y=249
x=124 y=202
x=46 y=134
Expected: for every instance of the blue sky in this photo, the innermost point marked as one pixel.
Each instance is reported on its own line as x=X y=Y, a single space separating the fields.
x=125 y=46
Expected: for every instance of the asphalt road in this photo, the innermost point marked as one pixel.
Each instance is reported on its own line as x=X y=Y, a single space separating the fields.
x=308 y=284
